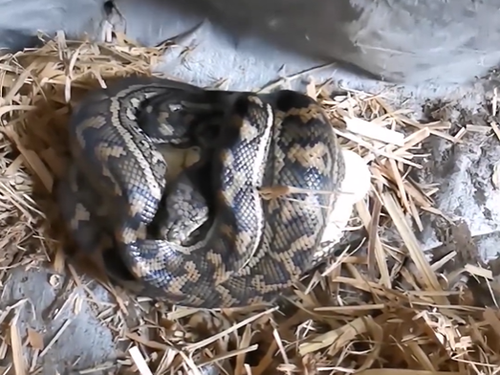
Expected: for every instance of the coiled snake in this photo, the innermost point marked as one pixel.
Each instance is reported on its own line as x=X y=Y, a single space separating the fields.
x=255 y=246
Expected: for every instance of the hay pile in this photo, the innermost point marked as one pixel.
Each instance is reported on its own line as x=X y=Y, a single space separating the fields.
x=369 y=312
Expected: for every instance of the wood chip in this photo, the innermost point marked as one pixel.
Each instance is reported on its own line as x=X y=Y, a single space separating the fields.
x=35 y=339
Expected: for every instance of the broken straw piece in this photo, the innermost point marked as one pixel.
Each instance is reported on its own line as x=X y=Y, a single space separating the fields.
x=373 y=131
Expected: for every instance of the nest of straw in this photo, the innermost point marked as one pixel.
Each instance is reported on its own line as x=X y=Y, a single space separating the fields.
x=384 y=309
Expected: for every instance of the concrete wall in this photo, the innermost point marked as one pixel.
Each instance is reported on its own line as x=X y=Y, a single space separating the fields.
x=399 y=40
x=402 y=41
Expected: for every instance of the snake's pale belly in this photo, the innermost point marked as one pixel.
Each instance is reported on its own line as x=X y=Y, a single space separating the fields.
x=255 y=247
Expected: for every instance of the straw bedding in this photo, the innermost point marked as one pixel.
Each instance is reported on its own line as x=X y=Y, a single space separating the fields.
x=380 y=309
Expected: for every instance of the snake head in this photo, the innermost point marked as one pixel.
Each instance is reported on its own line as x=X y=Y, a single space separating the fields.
x=179 y=228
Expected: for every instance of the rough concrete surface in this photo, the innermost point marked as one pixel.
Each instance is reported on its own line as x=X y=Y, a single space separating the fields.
x=40 y=296
x=246 y=62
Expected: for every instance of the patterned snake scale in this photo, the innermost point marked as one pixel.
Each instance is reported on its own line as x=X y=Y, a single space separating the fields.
x=255 y=246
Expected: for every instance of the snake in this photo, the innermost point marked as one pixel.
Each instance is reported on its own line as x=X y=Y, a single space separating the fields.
x=270 y=178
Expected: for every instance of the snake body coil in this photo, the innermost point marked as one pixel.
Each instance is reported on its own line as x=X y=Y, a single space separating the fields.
x=254 y=247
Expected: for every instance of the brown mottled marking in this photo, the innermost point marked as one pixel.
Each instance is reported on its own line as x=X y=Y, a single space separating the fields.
x=310 y=156
x=226 y=298
x=95 y=122
x=286 y=257
x=248 y=132
x=306 y=114
x=192 y=272
x=114 y=151
x=259 y=283
x=214 y=258
x=243 y=240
